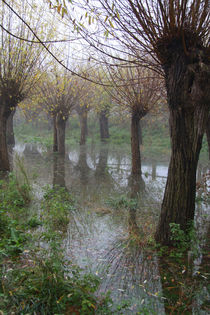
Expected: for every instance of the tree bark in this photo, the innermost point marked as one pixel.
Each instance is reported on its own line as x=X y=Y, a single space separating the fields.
x=188 y=96
x=136 y=184
x=83 y=126
x=140 y=133
x=61 y=131
x=4 y=156
x=135 y=149
x=10 y=130
x=104 y=125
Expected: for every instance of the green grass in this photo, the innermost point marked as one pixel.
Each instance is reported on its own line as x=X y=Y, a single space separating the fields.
x=156 y=140
x=119 y=136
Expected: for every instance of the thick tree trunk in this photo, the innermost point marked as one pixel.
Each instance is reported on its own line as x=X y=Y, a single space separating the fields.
x=104 y=125
x=188 y=96
x=61 y=131
x=55 y=138
x=4 y=156
x=10 y=130
x=83 y=126
x=135 y=149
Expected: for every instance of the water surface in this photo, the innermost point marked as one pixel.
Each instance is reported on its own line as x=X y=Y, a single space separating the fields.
x=109 y=240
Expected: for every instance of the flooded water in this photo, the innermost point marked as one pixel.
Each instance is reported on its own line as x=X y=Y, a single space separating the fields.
x=102 y=232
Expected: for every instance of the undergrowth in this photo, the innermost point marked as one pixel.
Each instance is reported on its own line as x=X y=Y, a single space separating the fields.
x=36 y=277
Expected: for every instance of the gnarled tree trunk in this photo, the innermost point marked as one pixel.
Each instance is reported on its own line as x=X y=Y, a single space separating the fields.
x=61 y=131
x=187 y=82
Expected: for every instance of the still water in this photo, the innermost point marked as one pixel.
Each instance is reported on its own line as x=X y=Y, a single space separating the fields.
x=101 y=233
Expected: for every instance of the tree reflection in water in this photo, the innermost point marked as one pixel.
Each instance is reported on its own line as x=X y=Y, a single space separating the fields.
x=59 y=170
x=112 y=242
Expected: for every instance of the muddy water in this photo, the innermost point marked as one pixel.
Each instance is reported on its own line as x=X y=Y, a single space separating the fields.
x=102 y=233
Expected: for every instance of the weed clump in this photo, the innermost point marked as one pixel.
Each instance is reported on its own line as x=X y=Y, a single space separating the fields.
x=122 y=202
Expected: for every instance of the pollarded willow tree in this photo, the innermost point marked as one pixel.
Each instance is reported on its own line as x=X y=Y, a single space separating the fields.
x=138 y=91
x=176 y=35
x=59 y=95
x=20 y=63
x=102 y=107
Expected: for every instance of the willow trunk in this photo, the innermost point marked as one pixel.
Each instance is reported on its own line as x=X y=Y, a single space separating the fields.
x=188 y=98
x=61 y=132
x=4 y=156
x=10 y=129
x=135 y=148
x=104 y=125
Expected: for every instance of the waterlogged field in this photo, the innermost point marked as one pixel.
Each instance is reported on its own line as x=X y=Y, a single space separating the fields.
x=87 y=210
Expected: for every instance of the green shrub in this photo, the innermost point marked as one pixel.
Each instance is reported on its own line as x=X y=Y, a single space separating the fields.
x=183 y=240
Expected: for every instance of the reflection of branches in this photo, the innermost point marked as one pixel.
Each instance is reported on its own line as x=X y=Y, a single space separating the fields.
x=131 y=272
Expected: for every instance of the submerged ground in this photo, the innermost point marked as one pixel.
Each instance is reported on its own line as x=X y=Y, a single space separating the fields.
x=111 y=231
